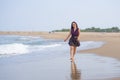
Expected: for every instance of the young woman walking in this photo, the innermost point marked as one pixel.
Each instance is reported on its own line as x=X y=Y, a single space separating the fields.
x=74 y=36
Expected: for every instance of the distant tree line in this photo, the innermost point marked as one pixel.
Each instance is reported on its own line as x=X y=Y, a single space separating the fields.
x=92 y=29
x=62 y=30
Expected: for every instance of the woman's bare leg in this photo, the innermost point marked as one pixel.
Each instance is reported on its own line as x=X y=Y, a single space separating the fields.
x=74 y=51
x=71 y=52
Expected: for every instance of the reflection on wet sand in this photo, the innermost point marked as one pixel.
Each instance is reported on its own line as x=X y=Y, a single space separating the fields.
x=75 y=73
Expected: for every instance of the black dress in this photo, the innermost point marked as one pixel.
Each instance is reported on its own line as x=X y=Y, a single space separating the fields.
x=73 y=41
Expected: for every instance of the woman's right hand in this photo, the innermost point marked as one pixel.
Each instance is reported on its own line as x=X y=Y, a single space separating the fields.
x=67 y=37
x=65 y=40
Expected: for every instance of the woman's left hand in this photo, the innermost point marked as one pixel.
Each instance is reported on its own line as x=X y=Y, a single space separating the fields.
x=78 y=39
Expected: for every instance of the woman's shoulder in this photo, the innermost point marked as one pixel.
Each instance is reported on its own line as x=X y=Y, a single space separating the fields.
x=78 y=30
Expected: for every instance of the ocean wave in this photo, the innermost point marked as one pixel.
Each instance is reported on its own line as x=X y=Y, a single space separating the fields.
x=14 y=48
x=19 y=48
x=24 y=38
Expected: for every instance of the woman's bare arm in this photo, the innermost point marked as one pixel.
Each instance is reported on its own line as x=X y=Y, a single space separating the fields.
x=79 y=35
x=68 y=36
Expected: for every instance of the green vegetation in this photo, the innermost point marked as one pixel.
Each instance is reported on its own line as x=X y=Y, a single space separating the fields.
x=92 y=29
x=62 y=30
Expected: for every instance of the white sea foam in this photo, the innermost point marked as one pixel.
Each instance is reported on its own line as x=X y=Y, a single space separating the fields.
x=17 y=48
x=48 y=46
x=14 y=48
x=36 y=48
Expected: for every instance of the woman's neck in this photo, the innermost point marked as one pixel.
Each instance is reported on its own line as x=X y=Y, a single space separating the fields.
x=74 y=29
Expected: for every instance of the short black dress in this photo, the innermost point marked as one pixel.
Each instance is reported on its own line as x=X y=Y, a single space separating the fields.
x=73 y=41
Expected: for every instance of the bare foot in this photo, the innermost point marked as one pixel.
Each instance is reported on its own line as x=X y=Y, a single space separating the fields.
x=72 y=59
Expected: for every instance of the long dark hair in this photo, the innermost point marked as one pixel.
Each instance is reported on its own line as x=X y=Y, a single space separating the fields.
x=72 y=25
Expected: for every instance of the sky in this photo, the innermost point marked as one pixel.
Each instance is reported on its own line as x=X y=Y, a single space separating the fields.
x=47 y=15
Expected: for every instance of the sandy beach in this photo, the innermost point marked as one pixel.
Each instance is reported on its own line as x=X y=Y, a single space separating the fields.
x=109 y=49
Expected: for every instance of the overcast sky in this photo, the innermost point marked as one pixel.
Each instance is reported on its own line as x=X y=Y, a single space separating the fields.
x=45 y=15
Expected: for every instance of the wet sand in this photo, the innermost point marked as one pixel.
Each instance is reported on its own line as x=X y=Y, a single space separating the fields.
x=110 y=49
x=32 y=67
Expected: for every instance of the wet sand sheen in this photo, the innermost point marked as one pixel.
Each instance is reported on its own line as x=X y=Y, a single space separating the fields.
x=86 y=67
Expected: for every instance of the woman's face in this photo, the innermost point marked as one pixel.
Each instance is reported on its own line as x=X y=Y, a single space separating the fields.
x=74 y=25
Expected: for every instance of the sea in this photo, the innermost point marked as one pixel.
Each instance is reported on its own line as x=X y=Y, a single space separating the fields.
x=12 y=45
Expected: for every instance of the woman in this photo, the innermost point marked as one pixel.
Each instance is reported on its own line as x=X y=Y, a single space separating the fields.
x=74 y=40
